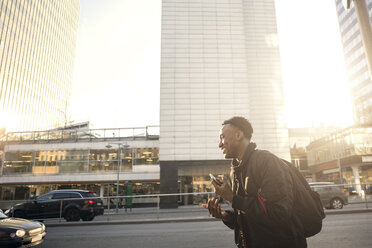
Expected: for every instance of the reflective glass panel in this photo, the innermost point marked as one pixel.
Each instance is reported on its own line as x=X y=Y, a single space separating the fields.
x=55 y=135
x=75 y=155
x=146 y=156
x=40 y=160
x=41 y=136
x=72 y=166
x=18 y=163
x=100 y=166
x=103 y=155
x=69 y=135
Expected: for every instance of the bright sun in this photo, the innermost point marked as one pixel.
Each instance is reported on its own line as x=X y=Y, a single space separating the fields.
x=315 y=85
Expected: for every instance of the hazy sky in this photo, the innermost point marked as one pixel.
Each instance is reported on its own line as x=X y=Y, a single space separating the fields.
x=117 y=75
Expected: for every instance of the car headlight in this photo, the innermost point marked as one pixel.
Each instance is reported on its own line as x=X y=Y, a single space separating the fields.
x=19 y=233
x=43 y=227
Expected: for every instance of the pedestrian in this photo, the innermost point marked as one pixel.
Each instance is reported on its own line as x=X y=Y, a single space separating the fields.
x=259 y=191
x=111 y=202
x=128 y=198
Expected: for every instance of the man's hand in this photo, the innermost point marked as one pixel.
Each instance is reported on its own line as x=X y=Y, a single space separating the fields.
x=215 y=210
x=224 y=191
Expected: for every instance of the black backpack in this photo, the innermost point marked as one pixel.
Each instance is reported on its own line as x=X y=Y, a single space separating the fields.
x=306 y=203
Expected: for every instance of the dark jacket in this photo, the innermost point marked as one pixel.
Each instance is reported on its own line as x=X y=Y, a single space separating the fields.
x=262 y=202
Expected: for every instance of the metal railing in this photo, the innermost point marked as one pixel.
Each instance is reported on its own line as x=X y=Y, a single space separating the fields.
x=115 y=207
x=148 y=132
x=134 y=207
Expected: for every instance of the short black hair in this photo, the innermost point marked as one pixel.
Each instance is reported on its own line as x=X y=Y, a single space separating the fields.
x=242 y=124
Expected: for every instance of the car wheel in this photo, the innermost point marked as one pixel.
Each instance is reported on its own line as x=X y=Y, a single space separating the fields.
x=336 y=203
x=88 y=217
x=19 y=214
x=72 y=214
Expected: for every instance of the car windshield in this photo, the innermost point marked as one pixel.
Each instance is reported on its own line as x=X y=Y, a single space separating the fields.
x=2 y=215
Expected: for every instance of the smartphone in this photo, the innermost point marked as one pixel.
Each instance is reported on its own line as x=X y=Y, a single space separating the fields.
x=215 y=180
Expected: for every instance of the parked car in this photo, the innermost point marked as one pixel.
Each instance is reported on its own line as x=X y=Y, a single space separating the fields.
x=15 y=232
x=71 y=204
x=332 y=195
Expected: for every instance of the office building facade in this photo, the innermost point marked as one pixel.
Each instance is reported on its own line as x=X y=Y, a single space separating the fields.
x=37 y=52
x=360 y=82
x=344 y=156
x=34 y=163
x=218 y=59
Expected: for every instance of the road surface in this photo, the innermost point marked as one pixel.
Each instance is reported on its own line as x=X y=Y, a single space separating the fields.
x=340 y=231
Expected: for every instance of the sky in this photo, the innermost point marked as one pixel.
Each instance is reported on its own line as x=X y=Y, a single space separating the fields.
x=117 y=68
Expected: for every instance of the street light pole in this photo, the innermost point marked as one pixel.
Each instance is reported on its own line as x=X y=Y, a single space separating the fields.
x=338 y=158
x=120 y=145
x=117 y=179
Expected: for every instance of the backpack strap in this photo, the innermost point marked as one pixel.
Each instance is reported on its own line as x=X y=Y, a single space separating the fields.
x=295 y=171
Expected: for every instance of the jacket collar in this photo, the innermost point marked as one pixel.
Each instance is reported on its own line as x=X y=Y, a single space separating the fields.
x=235 y=165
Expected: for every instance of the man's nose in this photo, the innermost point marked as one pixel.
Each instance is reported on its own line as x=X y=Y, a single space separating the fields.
x=220 y=144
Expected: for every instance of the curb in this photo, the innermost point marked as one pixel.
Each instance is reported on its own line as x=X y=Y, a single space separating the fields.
x=176 y=220
x=351 y=211
x=133 y=222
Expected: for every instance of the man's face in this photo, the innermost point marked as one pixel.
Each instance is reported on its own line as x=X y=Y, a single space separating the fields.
x=229 y=143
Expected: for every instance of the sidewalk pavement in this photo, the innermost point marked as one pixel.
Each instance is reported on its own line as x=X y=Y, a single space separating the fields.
x=192 y=213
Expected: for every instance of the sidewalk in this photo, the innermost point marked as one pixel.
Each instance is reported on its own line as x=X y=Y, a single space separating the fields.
x=190 y=213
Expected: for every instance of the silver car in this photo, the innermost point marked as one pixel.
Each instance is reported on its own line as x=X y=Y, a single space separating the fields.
x=333 y=196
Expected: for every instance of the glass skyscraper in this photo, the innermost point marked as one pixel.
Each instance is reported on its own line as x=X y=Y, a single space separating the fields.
x=37 y=51
x=360 y=82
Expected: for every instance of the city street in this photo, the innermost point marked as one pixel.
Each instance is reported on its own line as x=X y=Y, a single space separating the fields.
x=119 y=120
x=189 y=211
x=341 y=231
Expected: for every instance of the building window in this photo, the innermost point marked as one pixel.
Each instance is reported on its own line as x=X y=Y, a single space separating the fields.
x=18 y=163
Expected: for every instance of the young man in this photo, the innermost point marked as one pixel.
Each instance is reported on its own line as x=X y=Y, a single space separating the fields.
x=261 y=194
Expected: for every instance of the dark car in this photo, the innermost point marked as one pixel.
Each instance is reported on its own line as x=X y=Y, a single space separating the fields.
x=15 y=232
x=332 y=195
x=70 y=204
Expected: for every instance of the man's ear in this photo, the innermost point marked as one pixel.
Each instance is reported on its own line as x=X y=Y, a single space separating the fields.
x=239 y=135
